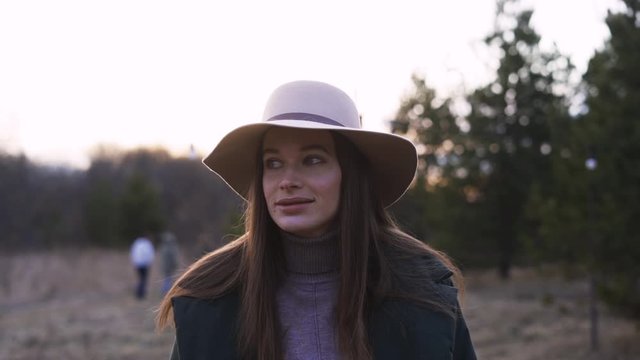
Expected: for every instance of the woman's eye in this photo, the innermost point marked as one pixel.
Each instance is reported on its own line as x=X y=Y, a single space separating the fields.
x=313 y=160
x=272 y=164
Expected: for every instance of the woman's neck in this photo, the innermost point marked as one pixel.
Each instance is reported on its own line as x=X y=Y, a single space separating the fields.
x=318 y=255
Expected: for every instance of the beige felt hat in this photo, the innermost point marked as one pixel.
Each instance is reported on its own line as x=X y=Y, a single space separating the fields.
x=315 y=105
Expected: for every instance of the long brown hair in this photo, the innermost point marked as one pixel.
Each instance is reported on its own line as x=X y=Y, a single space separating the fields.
x=373 y=251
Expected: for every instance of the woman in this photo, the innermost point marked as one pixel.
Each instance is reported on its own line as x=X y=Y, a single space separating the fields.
x=322 y=272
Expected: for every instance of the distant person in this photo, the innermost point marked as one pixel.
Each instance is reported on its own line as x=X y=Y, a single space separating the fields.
x=142 y=253
x=322 y=271
x=169 y=258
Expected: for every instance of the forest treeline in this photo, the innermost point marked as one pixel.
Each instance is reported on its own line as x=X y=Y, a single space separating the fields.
x=119 y=197
x=539 y=166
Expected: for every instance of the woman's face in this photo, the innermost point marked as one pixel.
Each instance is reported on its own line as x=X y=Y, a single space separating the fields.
x=301 y=180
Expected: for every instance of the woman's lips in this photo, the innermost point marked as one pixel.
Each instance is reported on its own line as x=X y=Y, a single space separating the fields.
x=293 y=205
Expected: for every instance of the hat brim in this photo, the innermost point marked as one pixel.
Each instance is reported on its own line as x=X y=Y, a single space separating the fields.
x=393 y=158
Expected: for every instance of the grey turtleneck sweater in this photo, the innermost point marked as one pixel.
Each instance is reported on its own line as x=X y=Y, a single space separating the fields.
x=307 y=297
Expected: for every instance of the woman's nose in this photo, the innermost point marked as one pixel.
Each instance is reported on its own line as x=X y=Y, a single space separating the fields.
x=290 y=180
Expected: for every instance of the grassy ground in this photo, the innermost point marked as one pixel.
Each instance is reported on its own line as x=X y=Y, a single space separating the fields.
x=534 y=316
x=77 y=306
x=70 y=305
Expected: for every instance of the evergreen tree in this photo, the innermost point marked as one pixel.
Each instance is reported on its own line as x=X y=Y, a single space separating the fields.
x=481 y=167
x=101 y=214
x=513 y=120
x=140 y=208
x=436 y=204
x=592 y=220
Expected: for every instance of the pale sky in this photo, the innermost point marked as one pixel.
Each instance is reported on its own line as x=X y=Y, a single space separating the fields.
x=74 y=74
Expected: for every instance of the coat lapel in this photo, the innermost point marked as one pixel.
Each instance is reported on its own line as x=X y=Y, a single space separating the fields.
x=403 y=330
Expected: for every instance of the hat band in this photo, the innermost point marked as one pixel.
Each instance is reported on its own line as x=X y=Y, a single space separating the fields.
x=306 y=117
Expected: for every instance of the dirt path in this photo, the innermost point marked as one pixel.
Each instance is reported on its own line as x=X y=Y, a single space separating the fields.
x=80 y=306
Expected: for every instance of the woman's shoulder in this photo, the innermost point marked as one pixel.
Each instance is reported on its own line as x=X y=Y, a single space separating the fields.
x=437 y=270
x=407 y=254
x=424 y=275
x=424 y=264
x=189 y=310
x=186 y=301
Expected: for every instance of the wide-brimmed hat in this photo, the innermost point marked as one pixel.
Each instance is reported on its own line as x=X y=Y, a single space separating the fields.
x=315 y=105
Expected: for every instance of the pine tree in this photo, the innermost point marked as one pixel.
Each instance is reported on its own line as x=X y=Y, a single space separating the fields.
x=595 y=213
x=140 y=208
x=512 y=123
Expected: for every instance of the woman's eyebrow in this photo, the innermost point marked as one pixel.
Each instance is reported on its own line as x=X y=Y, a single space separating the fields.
x=314 y=147
x=304 y=148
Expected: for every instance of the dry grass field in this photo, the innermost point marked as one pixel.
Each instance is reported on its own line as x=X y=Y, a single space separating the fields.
x=79 y=305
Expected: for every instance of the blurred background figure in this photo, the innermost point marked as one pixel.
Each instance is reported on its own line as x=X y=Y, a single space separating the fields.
x=169 y=257
x=142 y=253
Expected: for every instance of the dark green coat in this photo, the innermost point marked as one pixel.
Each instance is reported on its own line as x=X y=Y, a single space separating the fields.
x=398 y=329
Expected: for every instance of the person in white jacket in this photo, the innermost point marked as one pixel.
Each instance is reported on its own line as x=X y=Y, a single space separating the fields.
x=142 y=253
